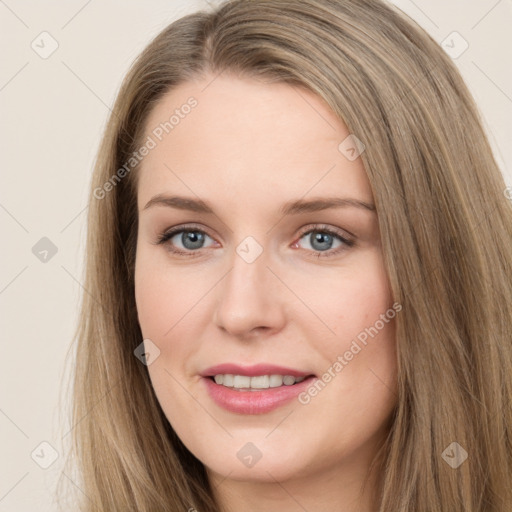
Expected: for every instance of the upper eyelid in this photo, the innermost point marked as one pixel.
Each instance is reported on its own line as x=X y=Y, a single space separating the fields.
x=178 y=229
x=325 y=227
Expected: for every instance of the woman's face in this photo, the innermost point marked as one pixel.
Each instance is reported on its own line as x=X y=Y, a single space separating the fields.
x=267 y=275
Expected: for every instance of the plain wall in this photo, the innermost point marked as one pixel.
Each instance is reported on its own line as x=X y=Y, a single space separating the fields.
x=53 y=113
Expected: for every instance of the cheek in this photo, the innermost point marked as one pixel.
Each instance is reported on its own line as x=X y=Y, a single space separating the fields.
x=172 y=308
x=169 y=309
x=360 y=351
x=350 y=299
x=154 y=302
x=164 y=296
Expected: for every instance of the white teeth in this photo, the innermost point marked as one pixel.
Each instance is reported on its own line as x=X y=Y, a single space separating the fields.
x=276 y=381
x=241 y=381
x=260 y=382
x=227 y=380
x=288 y=380
x=256 y=382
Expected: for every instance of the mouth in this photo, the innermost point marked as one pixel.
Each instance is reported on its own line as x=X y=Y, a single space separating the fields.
x=257 y=382
x=256 y=389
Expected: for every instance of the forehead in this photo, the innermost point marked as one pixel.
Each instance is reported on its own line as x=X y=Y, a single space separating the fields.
x=249 y=140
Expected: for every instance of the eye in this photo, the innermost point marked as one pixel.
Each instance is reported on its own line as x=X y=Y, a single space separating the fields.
x=183 y=240
x=325 y=241
x=188 y=240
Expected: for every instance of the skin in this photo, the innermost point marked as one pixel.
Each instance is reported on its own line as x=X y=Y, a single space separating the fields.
x=246 y=149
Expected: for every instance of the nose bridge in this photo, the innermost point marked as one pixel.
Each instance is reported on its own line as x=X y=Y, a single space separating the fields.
x=248 y=280
x=249 y=297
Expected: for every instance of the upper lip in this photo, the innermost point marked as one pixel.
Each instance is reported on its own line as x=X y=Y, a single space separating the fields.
x=252 y=370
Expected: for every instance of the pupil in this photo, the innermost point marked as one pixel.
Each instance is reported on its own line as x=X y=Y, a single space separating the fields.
x=323 y=239
x=192 y=239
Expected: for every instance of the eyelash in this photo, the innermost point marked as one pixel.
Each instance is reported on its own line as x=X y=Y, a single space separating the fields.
x=321 y=228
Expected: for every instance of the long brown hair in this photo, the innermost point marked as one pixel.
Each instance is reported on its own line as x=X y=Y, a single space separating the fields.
x=446 y=229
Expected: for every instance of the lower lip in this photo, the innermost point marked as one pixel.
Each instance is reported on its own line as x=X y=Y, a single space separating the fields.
x=254 y=402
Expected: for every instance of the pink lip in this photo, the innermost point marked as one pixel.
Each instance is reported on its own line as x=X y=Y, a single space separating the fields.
x=253 y=402
x=251 y=371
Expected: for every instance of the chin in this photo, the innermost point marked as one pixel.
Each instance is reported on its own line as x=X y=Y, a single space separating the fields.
x=262 y=460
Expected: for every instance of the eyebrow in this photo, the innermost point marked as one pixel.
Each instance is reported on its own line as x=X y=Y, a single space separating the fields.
x=290 y=208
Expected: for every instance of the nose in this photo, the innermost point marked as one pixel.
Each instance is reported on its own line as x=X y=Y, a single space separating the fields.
x=250 y=299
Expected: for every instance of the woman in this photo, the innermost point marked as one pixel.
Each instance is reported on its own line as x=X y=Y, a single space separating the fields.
x=298 y=274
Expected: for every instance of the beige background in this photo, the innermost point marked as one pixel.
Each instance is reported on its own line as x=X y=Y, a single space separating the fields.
x=53 y=112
